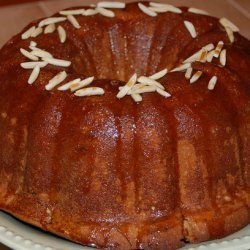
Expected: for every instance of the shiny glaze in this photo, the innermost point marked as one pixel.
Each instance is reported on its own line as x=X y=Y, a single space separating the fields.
x=117 y=174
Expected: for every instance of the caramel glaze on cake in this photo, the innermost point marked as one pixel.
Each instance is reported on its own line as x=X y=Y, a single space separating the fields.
x=115 y=174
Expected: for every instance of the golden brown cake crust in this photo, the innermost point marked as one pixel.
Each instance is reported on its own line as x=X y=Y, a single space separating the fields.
x=116 y=174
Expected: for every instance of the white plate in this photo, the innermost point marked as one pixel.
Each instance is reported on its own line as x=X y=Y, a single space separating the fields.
x=20 y=236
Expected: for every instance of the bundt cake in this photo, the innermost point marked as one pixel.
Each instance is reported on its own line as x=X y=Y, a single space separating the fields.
x=127 y=126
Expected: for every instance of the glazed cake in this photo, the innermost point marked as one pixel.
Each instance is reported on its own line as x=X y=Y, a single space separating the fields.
x=127 y=126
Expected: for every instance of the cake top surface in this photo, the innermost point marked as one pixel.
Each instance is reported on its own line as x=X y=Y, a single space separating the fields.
x=36 y=58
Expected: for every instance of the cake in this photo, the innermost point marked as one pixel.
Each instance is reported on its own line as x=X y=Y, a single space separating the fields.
x=127 y=126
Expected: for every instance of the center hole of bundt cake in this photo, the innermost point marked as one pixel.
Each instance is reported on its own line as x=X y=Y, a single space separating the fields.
x=118 y=56
x=109 y=68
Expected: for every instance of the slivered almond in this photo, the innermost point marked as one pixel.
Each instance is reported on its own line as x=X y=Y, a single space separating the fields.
x=210 y=56
x=159 y=74
x=32 y=65
x=28 y=33
x=90 y=12
x=136 y=97
x=162 y=92
x=203 y=57
x=105 y=12
x=188 y=73
x=163 y=9
x=37 y=32
x=129 y=92
x=149 y=81
x=226 y=23
x=196 y=76
x=223 y=57
x=111 y=5
x=51 y=20
x=198 y=11
x=196 y=56
x=218 y=49
x=72 y=12
x=230 y=28
x=230 y=34
x=135 y=87
x=208 y=47
x=127 y=86
x=41 y=53
x=34 y=75
x=182 y=67
x=81 y=84
x=60 y=77
x=33 y=48
x=167 y=7
x=157 y=9
x=145 y=89
x=69 y=84
x=73 y=21
x=89 y=91
x=33 y=44
x=57 y=62
x=212 y=83
x=191 y=29
x=28 y=55
x=62 y=34
x=146 y=10
x=50 y=28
